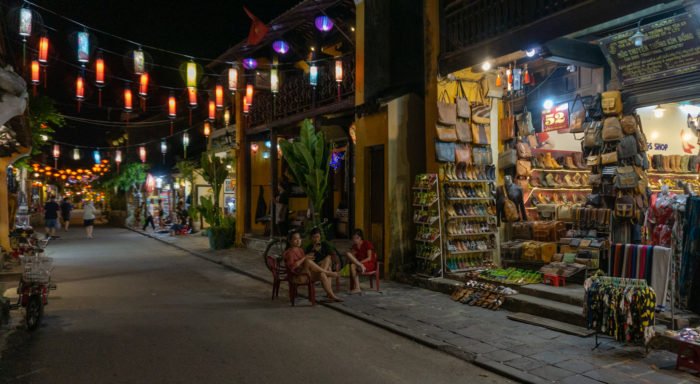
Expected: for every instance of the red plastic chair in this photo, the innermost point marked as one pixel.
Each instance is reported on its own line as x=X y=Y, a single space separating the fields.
x=279 y=274
x=292 y=278
x=373 y=277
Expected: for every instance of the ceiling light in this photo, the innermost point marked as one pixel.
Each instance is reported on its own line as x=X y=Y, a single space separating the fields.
x=638 y=37
x=530 y=52
x=548 y=104
x=486 y=65
x=659 y=111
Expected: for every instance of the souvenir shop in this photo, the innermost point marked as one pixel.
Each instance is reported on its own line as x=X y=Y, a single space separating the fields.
x=574 y=170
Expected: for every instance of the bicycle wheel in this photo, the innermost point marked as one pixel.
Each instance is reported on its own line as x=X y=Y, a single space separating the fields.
x=274 y=249
x=34 y=312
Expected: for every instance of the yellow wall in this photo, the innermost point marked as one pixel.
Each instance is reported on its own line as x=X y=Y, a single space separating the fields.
x=260 y=175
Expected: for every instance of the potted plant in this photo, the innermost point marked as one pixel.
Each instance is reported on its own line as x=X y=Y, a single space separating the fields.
x=214 y=172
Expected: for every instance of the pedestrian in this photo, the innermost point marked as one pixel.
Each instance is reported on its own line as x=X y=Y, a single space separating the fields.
x=362 y=257
x=51 y=209
x=149 y=217
x=88 y=218
x=297 y=261
x=66 y=208
x=323 y=253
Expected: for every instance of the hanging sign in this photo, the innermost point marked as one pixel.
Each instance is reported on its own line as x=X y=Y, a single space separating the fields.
x=556 y=118
x=670 y=47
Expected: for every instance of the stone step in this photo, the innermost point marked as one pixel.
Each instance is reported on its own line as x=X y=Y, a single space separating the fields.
x=255 y=243
x=550 y=309
x=568 y=294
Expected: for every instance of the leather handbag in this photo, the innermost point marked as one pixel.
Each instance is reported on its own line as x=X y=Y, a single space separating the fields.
x=541 y=231
x=532 y=140
x=523 y=168
x=629 y=124
x=612 y=129
x=577 y=115
x=506 y=125
x=510 y=210
x=608 y=158
x=592 y=137
x=463 y=107
x=464 y=132
x=444 y=151
x=625 y=207
x=463 y=153
x=565 y=213
x=481 y=133
x=626 y=177
x=447 y=111
x=522 y=231
x=611 y=102
x=507 y=158
x=524 y=122
x=531 y=251
x=524 y=150
x=546 y=210
x=627 y=147
x=593 y=160
x=480 y=109
x=595 y=179
x=446 y=133
x=642 y=144
x=547 y=251
x=511 y=250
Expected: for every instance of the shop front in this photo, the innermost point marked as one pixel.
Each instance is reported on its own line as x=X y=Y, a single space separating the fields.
x=564 y=159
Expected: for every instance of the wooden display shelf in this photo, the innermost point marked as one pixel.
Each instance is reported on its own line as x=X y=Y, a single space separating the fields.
x=470 y=252
x=470 y=217
x=460 y=181
x=561 y=170
x=471 y=234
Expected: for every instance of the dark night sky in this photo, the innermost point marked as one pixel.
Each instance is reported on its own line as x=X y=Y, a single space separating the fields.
x=200 y=28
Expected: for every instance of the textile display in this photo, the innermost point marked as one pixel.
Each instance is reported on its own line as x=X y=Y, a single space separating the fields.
x=690 y=269
x=651 y=263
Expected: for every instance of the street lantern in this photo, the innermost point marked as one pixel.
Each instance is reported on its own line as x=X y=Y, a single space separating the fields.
x=172 y=106
x=96 y=156
x=56 y=154
x=143 y=85
x=185 y=142
x=232 y=79
x=83 y=47
x=35 y=74
x=79 y=88
x=274 y=81
x=192 y=74
x=313 y=75
x=139 y=62
x=25 y=23
x=43 y=50
x=163 y=147
x=142 y=153
x=76 y=154
x=219 y=96
x=212 y=110
x=207 y=129
x=99 y=71
x=128 y=100
x=249 y=94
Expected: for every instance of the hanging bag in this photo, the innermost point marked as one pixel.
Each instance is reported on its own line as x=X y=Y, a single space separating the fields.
x=481 y=110
x=510 y=210
x=463 y=108
x=524 y=122
x=463 y=153
x=444 y=152
x=626 y=177
x=447 y=111
x=625 y=207
x=523 y=168
x=612 y=129
x=611 y=101
x=506 y=125
x=524 y=150
x=627 y=147
x=464 y=132
x=481 y=133
x=446 y=133
x=642 y=145
x=577 y=116
x=507 y=158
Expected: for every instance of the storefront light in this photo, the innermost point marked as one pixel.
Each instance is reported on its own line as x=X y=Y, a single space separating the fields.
x=688 y=137
x=659 y=111
x=654 y=135
x=548 y=104
x=530 y=52
x=486 y=65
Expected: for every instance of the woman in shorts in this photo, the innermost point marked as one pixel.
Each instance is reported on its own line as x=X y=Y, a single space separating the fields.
x=88 y=218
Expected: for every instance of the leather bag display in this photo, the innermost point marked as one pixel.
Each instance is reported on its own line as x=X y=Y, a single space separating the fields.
x=507 y=158
x=463 y=153
x=524 y=123
x=523 y=168
x=510 y=210
x=608 y=158
x=524 y=150
x=522 y=231
x=577 y=116
x=480 y=109
x=627 y=147
x=642 y=144
x=592 y=137
x=481 y=133
x=464 y=110
x=464 y=132
x=612 y=129
x=611 y=102
x=625 y=207
x=447 y=111
x=593 y=160
x=565 y=213
x=626 y=177
x=446 y=133
x=629 y=124
x=506 y=125
x=595 y=179
x=444 y=151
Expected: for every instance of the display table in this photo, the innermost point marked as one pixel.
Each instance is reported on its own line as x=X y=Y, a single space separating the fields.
x=688 y=355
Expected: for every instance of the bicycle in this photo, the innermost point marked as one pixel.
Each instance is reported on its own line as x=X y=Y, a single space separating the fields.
x=35 y=283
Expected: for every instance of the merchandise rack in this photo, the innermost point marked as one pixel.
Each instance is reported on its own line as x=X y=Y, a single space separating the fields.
x=428 y=221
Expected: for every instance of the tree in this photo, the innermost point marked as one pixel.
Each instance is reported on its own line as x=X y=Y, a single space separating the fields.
x=309 y=160
x=214 y=172
x=43 y=118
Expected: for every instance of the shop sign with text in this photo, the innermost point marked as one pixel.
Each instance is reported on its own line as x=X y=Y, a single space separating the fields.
x=556 y=118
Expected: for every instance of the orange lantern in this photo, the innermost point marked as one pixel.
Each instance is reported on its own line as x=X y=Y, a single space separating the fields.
x=142 y=153
x=35 y=73
x=192 y=93
x=249 y=93
x=246 y=105
x=172 y=107
x=143 y=85
x=79 y=88
x=43 y=50
x=207 y=129
x=339 y=71
x=219 y=91
x=232 y=79
x=212 y=111
x=128 y=100
x=100 y=71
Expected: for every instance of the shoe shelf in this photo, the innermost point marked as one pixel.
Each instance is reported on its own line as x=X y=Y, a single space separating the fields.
x=672 y=174
x=456 y=235
x=567 y=188
x=428 y=218
x=460 y=181
x=471 y=217
x=469 y=269
x=471 y=251
x=586 y=170
x=469 y=198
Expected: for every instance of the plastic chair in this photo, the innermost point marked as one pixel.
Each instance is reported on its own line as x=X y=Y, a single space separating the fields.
x=279 y=274
x=373 y=277
x=293 y=279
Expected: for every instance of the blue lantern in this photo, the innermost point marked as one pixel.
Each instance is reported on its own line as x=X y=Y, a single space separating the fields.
x=96 y=157
x=250 y=63
x=323 y=23
x=313 y=75
x=280 y=46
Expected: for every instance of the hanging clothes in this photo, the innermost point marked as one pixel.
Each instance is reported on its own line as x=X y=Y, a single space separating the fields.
x=689 y=280
x=647 y=262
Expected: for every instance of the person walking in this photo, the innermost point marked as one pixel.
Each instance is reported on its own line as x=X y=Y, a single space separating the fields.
x=51 y=209
x=89 y=218
x=66 y=208
x=148 y=217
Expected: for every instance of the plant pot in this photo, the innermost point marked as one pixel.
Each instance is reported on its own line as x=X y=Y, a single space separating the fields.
x=220 y=237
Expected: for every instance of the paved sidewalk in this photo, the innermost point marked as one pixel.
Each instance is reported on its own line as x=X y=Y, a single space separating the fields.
x=486 y=338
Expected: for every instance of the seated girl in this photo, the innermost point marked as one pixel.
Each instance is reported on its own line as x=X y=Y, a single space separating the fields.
x=362 y=257
x=298 y=262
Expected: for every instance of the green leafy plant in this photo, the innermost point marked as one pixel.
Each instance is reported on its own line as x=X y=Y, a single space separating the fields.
x=43 y=118
x=209 y=211
x=309 y=160
x=214 y=172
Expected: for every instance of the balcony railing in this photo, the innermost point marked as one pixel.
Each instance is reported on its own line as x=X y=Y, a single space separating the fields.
x=296 y=95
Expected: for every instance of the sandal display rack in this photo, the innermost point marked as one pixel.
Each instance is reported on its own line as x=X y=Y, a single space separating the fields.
x=427 y=217
x=469 y=217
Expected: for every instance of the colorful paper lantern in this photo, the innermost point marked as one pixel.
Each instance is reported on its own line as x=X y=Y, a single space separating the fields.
x=118 y=157
x=79 y=88
x=139 y=62
x=163 y=147
x=219 y=96
x=56 y=151
x=280 y=46
x=128 y=100
x=274 y=81
x=250 y=63
x=83 y=47
x=43 y=50
x=100 y=72
x=25 y=22
x=96 y=156
x=339 y=70
x=232 y=79
x=192 y=74
x=246 y=106
x=76 y=154
x=207 y=129
x=212 y=110
x=313 y=75
x=35 y=72
x=323 y=23
x=143 y=85
x=185 y=139
x=249 y=94
x=142 y=153
x=192 y=96
x=172 y=106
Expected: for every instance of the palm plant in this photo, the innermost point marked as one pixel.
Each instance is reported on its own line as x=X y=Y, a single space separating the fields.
x=214 y=172
x=309 y=161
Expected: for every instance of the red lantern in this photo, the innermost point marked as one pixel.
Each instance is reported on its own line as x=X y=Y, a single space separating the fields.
x=246 y=105
x=172 y=107
x=192 y=93
x=249 y=93
x=128 y=100
x=219 y=92
x=526 y=76
x=142 y=153
x=35 y=73
x=79 y=88
x=100 y=71
x=207 y=129
x=212 y=111
x=43 y=50
x=143 y=85
x=56 y=151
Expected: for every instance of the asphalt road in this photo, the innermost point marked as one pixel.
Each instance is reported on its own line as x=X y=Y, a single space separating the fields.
x=129 y=309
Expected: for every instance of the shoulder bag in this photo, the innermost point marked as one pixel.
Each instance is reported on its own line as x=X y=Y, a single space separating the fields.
x=444 y=151
x=524 y=150
x=463 y=153
x=625 y=207
x=627 y=147
x=463 y=107
x=608 y=158
x=629 y=124
x=524 y=122
x=523 y=168
x=464 y=132
x=447 y=111
x=577 y=115
x=481 y=133
x=642 y=145
x=446 y=133
x=480 y=109
x=591 y=137
x=510 y=210
x=506 y=125
x=612 y=130
x=626 y=177
x=507 y=158
x=611 y=101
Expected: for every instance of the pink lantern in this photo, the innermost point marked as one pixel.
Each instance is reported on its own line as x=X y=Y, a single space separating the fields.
x=323 y=23
x=142 y=153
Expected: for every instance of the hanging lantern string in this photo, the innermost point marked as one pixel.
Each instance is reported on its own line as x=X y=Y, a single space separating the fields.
x=72 y=145
x=113 y=124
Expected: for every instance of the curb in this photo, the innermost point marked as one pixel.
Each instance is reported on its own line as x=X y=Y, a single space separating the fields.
x=489 y=365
